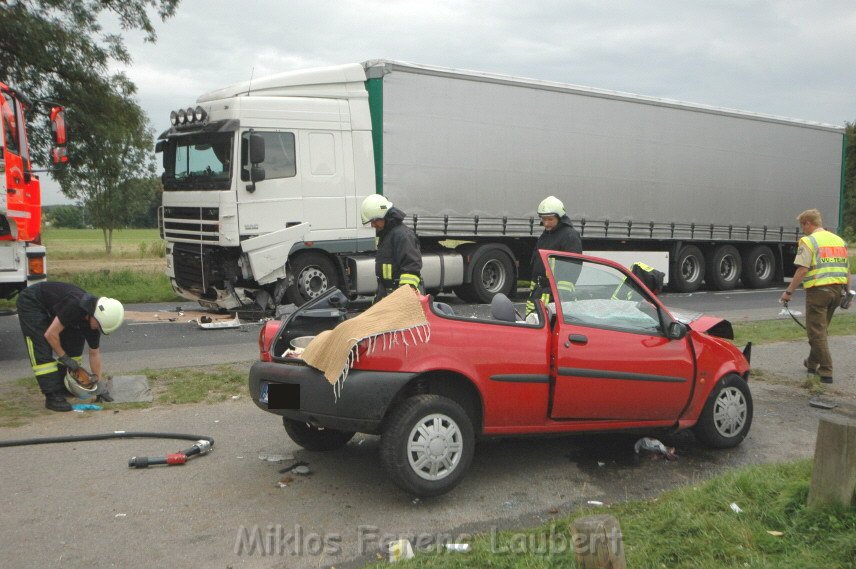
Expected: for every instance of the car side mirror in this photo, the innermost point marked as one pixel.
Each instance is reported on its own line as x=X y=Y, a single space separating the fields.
x=676 y=330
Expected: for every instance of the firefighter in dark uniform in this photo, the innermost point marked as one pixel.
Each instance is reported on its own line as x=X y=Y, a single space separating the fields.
x=58 y=318
x=398 y=261
x=559 y=235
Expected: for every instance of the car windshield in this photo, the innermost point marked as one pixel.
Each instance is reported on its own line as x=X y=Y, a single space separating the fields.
x=199 y=162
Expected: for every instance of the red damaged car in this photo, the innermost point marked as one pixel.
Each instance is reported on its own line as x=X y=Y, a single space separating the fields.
x=608 y=356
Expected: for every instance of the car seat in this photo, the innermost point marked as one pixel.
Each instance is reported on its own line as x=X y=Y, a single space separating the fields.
x=502 y=309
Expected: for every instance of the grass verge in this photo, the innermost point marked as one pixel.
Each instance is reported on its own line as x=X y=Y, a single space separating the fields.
x=21 y=400
x=691 y=527
x=767 y=331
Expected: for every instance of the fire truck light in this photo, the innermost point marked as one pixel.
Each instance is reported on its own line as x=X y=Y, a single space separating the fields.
x=173 y=118
x=182 y=118
x=199 y=114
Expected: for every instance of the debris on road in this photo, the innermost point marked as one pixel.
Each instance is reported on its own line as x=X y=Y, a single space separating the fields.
x=458 y=547
x=595 y=503
x=775 y=533
x=208 y=323
x=401 y=549
x=735 y=508
x=270 y=457
x=285 y=481
x=294 y=467
x=821 y=404
x=656 y=447
x=81 y=407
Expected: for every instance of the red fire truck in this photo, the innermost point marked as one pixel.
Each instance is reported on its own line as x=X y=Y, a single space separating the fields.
x=22 y=256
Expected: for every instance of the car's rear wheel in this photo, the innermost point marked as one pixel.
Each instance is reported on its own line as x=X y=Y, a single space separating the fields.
x=315 y=438
x=727 y=415
x=427 y=445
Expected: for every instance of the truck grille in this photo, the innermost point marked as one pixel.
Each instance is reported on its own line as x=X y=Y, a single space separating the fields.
x=191 y=224
x=199 y=267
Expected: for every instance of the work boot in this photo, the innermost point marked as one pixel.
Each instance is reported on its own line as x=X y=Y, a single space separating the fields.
x=826 y=379
x=56 y=402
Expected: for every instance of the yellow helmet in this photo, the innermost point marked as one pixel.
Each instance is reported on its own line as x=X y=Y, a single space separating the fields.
x=109 y=313
x=374 y=207
x=551 y=205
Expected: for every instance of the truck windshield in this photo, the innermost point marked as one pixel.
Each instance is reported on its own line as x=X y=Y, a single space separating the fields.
x=202 y=162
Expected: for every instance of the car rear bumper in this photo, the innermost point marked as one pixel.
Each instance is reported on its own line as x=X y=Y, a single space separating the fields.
x=362 y=404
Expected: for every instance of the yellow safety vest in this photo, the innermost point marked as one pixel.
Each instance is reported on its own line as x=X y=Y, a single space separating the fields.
x=829 y=261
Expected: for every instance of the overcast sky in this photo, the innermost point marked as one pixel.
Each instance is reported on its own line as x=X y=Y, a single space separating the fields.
x=790 y=58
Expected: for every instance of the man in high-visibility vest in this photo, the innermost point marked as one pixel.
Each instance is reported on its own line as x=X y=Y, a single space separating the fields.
x=823 y=269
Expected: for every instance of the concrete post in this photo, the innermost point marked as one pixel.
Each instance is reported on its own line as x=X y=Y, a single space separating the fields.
x=598 y=543
x=833 y=477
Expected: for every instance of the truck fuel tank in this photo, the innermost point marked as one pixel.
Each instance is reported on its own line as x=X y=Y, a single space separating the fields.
x=439 y=270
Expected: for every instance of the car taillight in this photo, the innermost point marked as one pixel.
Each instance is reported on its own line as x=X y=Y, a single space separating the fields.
x=266 y=336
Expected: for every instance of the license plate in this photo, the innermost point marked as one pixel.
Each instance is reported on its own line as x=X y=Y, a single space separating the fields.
x=280 y=395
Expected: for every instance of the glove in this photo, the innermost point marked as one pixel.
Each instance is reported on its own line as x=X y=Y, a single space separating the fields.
x=70 y=363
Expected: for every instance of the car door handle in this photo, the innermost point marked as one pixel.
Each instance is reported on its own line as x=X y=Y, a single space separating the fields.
x=577 y=339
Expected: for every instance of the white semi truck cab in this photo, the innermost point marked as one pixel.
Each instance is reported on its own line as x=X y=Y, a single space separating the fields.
x=263 y=184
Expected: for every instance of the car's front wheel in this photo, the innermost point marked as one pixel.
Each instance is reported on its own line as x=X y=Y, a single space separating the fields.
x=727 y=415
x=315 y=438
x=427 y=445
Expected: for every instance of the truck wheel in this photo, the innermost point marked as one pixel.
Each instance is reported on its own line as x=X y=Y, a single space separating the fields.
x=314 y=274
x=427 y=445
x=727 y=415
x=314 y=438
x=492 y=273
x=688 y=270
x=759 y=267
x=724 y=268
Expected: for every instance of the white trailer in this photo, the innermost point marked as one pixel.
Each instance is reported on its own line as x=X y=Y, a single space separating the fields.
x=709 y=194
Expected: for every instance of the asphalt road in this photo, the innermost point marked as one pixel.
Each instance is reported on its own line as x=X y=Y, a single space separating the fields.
x=139 y=345
x=79 y=506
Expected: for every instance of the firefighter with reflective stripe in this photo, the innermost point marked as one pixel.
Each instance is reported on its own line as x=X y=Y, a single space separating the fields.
x=398 y=261
x=56 y=320
x=823 y=269
x=650 y=277
x=558 y=235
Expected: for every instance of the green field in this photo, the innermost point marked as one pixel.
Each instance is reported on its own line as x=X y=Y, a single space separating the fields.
x=65 y=244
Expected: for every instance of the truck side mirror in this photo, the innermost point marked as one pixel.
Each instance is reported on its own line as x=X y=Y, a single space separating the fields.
x=257 y=149
x=59 y=155
x=257 y=174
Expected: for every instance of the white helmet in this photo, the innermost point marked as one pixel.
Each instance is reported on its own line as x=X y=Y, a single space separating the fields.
x=551 y=205
x=109 y=313
x=374 y=207
x=80 y=388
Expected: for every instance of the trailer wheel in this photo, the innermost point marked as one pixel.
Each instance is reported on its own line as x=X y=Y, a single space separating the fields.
x=493 y=273
x=427 y=445
x=688 y=270
x=314 y=274
x=313 y=438
x=759 y=267
x=724 y=268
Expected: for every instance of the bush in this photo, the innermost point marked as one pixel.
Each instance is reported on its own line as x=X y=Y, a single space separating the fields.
x=68 y=216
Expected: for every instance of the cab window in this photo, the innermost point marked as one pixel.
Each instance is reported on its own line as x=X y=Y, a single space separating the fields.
x=280 y=161
x=591 y=294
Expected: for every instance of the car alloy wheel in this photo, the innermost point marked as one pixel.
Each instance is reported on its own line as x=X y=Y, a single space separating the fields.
x=434 y=447
x=730 y=411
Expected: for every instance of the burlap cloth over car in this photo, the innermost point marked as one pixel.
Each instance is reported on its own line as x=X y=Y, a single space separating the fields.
x=398 y=319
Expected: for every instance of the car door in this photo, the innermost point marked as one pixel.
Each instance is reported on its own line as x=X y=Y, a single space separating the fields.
x=613 y=360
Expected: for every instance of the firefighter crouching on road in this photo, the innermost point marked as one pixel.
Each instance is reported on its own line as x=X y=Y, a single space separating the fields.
x=57 y=318
x=398 y=261
x=559 y=235
x=823 y=269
